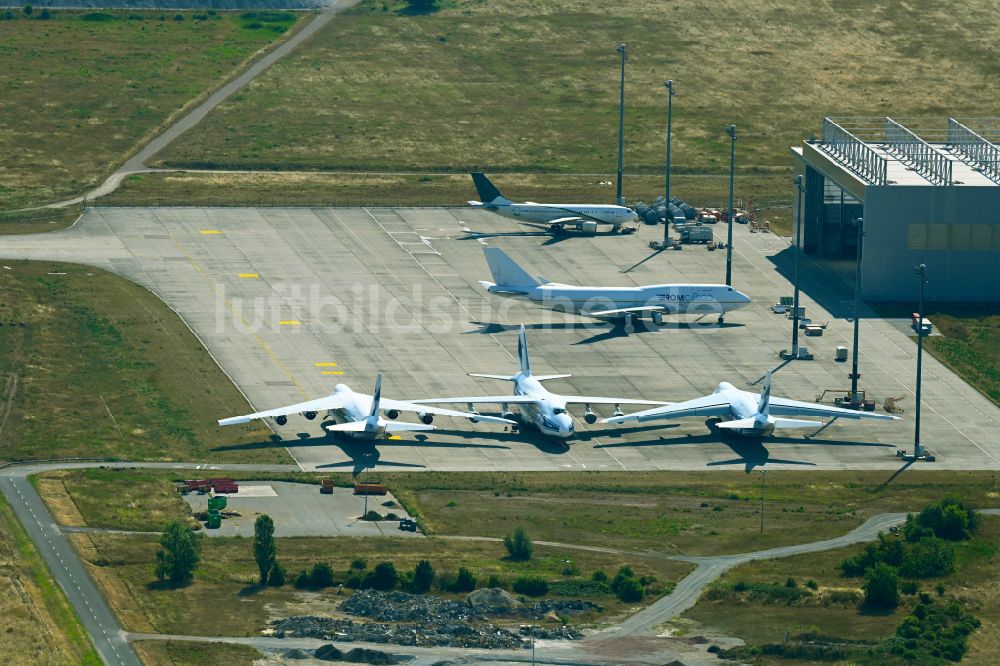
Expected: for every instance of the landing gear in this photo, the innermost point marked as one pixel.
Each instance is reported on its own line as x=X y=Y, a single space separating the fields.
x=721 y=320
x=557 y=228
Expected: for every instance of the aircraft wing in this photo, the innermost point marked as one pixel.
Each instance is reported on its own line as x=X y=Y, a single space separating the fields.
x=786 y=407
x=575 y=216
x=409 y=406
x=480 y=399
x=583 y=399
x=400 y=426
x=622 y=311
x=569 y=220
x=318 y=405
x=710 y=405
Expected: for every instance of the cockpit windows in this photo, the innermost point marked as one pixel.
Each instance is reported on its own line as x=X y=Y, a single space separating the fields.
x=558 y=410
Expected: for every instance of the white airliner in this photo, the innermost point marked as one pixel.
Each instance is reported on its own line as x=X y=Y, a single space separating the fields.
x=543 y=409
x=655 y=300
x=359 y=413
x=583 y=217
x=750 y=414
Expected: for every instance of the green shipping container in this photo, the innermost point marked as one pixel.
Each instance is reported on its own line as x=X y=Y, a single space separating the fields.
x=217 y=502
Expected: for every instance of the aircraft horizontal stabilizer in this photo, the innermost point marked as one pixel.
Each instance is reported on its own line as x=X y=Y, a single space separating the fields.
x=400 y=426
x=739 y=424
x=352 y=426
x=796 y=423
x=483 y=375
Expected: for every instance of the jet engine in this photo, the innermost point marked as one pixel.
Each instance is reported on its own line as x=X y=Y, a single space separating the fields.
x=426 y=418
x=309 y=415
x=281 y=419
x=392 y=414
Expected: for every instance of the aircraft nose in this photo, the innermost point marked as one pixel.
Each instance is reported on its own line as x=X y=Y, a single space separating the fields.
x=565 y=425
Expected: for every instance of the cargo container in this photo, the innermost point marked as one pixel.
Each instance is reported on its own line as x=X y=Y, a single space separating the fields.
x=217 y=502
x=369 y=489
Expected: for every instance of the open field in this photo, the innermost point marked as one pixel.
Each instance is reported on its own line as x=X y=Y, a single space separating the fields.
x=200 y=188
x=97 y=366
x=974 y=584
x=179 y=653
x=99 y=84
x=700 y=513
x=224 y=600
x=532 y=85
x=969 y=344
x=39 y=624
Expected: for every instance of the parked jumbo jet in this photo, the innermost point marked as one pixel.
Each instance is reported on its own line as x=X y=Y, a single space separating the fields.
x=749 y=414
x=583 y=217
x=545 y=410
x=656 y=300
x=359 y=413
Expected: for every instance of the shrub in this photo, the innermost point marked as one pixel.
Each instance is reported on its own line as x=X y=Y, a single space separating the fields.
x=812 y=585
x=321 y=576
x=908 y=587
x=178 y=17
x=599 y=576
x=383 y=577
x=948 y=519
x=579 y=588
x=423 y=577
x=929 y=557
x=790 y=583
x=98 y=17
x=358 y=564
x=276 y=577
x=881 y=586
x=532 y=586
x=464 y=581
x=302 y=579
x=519 y=546
x=630 y=590
x=494 y=581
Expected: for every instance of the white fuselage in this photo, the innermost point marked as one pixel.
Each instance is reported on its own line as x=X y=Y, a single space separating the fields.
x=743 y=405
x=356 y=409
x=546 y=213
x=547 y=412
x=672 y=298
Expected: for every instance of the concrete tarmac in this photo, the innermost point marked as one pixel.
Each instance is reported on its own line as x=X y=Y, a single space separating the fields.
x=291 y=301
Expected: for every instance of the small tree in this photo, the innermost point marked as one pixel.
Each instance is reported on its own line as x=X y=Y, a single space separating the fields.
x=519 y=545
x=422 y=6
x=881 y=587
x=179 y=555
x=630 y=590
x=423 y=577
x=264 y=550
x=28 y=9
x=321 y=575
x=384 y=577
x=464 y=582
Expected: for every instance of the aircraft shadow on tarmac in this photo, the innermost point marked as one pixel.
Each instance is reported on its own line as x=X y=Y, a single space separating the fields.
x=544 y=232
x=604 y=330
x=752 y=453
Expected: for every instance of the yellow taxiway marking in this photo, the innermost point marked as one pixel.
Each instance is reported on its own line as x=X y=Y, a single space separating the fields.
x=326 y=364
x=210 y=232
x=394 y=437
x=249 y=275
x=289 y=322
x=332 y=372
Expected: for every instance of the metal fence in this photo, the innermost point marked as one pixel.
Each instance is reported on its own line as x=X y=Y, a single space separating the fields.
x=984 y=154
x=921 y=156
x=853 y=153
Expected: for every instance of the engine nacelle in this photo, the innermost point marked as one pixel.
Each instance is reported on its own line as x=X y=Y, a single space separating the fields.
x=507 y=415
x=590 y=417
x=473 y=419
x=588 y=227
x=281 y=419
x=393 y=414
x=618 y=411
x=426 y=418
x=658 y=318
x=309 y=415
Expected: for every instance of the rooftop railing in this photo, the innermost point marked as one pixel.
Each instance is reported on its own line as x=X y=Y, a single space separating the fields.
x=853 y=153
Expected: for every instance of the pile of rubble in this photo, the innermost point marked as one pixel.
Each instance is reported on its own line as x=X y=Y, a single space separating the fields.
x=413 y=619
x=331 y=652
x=441 y=634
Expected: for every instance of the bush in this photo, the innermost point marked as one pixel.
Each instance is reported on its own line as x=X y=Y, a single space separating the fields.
x=580 y=588
x=358 y=564
x=276 y=578
x=881 y=586
x=948 y=519
x=423 y=577
x=599 y=576
x=494 y=581
x=929 y=557
x=302 y=580
x=908 y=587
x=321 y=576
x=178 y=17
x=519 y=546
x=98 y=17
x=464 y=581
x=383 y=577
x=812 y=585
x=790 y=583
x=630 y=590
x=532 y=586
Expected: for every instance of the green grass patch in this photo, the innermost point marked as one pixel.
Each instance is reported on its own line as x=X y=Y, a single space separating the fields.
x=181 y=653
x=969 y=344
x=52 y=633
x=96 y=366
x=83 y=90
x=532 y=85
x=224 y=600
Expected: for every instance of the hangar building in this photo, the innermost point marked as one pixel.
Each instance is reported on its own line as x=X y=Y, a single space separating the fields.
x=928 y=196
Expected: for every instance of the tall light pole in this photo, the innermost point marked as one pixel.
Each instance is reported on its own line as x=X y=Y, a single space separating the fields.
x=666 y=202
x=921 y=271
x=795 y=271
x=619 y=199
x=731 y=131
x=855 y=376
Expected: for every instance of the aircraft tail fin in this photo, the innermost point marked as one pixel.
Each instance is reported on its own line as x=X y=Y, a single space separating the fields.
x=488 y=192
x=522 y=352
x=376 y=396
x=506 y=272
x=765 y=395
